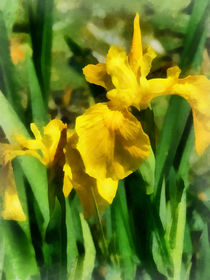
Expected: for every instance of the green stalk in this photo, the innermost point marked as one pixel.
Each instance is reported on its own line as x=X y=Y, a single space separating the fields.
x=105 y=245
x=176 y=253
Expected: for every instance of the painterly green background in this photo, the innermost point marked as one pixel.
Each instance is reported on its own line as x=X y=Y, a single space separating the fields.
x=144 y=233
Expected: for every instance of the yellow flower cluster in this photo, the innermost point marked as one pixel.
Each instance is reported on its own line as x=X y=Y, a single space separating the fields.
x=108 y=142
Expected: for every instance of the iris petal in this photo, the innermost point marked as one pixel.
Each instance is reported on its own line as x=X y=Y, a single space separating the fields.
x=135 y=54
x=195 y=89
x=12 y=209
x=90 y=190
x=97 y=74
x=112 y=143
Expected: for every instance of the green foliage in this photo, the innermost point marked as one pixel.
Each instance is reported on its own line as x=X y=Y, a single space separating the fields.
x=158 y=224
x=9 y=82
x=39 y=114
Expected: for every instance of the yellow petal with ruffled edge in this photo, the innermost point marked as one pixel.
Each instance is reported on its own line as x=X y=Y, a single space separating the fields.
x=118 y=68
x=195 y=89
x=90 y=190
x=12 y=209
x=126 y=85
x=50 y=144
x=97 y=74
x=146 y=63
x=112 y=143
x=54 y=139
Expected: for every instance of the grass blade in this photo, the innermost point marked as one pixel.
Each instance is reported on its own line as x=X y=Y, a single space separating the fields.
x=90 y=252
x=39 y=112
x=41 y=19
x=72 y=251
x=122 y=228
x=7 y=70
x=20 y=262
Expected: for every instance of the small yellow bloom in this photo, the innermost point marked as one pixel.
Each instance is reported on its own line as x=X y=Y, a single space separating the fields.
x=129 y=85
x=87 y=187
x=50 y=144
x=48 y=148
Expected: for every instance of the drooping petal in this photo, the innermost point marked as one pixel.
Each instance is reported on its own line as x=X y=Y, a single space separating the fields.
x=9 y=152
x=135 y=54
x=67 y=180
x=107 y=189
x=112 y=143
x=196 y=90
x=12 y=209
x=90 y=190
x=97 y=74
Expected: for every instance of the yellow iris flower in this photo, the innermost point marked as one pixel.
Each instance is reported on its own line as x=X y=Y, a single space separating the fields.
x=110 y=140
x=48 y=148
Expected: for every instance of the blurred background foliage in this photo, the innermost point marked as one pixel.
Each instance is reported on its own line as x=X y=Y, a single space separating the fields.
x=50 y=42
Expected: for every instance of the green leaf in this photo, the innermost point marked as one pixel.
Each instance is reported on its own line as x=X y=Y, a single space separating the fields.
x=20 y=261
x=187 y=253
x=184 y=162
x=203 y=268
x=2 y=254
x=41 y=18
x=9 y=82
x=39 y=112
x=178 y=235
x=172 y=131
x=9 y=120
x=55 y=243
x=124 y=241
x=147 y=171
x=150 y=243
x=72 y=251
x=36 y=175
x=35 y=172
x=9 y=12
x=163 y=209
x=175 y=232
x=160 y=257
x=20 y=185
x=196 y=35
x=90 y=252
